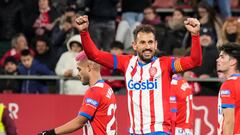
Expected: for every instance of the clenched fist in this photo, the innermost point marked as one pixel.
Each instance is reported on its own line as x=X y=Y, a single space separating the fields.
x=192 y=25
x=82 y=23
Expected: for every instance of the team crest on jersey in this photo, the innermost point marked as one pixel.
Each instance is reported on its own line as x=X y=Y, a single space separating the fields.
x=225 y=93
x=152 y=71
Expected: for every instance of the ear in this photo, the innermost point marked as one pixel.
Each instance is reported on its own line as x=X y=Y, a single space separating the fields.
x=156 y=44
x=89 y=66
x=134 y=45
x=233 y=61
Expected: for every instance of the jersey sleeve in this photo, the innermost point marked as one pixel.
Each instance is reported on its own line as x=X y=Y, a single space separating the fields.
x=104 y=58
x=189 y=62
x=90 y=104
x=227 y=94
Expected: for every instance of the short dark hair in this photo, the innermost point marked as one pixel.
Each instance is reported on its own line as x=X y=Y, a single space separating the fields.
x=10 y=59
x=117 y=44
x=145 y=28
x=233 y=50
x=26 y=52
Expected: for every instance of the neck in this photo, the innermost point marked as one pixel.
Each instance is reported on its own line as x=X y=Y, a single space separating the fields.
x=94 y=78
x=231 y=72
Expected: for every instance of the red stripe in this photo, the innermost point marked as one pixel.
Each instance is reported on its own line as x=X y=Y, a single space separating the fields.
x=134 y=69
x=152 y=110
x=131 y=103
x=86 y=131
x=166 y=81
x=141 y=114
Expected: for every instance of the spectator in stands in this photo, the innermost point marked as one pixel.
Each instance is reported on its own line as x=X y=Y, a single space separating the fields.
x=67 y=67
x=10 y=85
x=63 y=31
x=231 y=30
x=209 y=53
x=175 y=33
x=208 y=18
x=7 y=125
x=118 y=86
x=19 y=43
x=44 y=52
x=30 y=66
x=132 y=15
x=151 y=17
x=46 y=19
x=11 y=22
x=102 y=26
x=223 y=5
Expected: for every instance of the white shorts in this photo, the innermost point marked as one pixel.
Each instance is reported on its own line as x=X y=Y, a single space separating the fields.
x=181 y=131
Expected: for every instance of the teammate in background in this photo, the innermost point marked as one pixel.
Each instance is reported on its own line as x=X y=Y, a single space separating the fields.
x=147 y=77
x=97 y=114
x=228 y=63
x=181 y=106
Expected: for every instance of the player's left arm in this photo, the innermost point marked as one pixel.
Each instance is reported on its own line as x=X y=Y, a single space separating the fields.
x=228 y=123
x=195 y=58
x=227 y=93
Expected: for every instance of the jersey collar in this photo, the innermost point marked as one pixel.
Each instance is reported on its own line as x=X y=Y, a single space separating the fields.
x=99 y=81
x=143 y=64
x=235 y=75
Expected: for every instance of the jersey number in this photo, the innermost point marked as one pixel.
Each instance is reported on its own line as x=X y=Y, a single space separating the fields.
x=110 y=123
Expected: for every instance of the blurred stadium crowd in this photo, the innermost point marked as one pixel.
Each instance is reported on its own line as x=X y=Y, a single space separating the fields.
x=38 y=37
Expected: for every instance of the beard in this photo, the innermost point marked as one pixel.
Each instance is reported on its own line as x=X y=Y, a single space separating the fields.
x=144 y=58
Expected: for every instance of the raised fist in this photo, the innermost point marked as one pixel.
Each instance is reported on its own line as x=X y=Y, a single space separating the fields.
x=82 y=23
x=192 y=25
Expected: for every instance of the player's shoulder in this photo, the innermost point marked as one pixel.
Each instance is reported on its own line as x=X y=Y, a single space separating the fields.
x=99 y=87
x=125 y=56
x=230 y=83
x=165 y=58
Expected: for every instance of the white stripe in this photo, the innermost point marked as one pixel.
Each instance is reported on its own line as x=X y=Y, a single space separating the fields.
x=187 y=109
x=89 y=129
x=127 y=77
x=146 y=103
x=130 y=113
x=220 y=115
x=158 y=105
x=136 y=103
x=136 y=111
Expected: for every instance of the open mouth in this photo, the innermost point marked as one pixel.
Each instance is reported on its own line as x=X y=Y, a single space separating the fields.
x=148 y=51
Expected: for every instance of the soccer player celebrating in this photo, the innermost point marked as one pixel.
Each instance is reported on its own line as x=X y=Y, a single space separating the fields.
x=147 y=77
x=228 y=63
x=97 y=114
x=181 y=106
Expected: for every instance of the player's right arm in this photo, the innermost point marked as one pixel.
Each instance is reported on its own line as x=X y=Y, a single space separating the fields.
x=93 y=53
x=73 y=125
x=90 y=104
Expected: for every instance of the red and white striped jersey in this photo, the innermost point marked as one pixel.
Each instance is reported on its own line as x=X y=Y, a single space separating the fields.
x=148 y=85
x=148 y=88
x=181 y=102
x=99 y=106
x=229 y=97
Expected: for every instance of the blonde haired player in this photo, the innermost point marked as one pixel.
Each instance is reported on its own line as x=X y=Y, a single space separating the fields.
x=97 y=113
